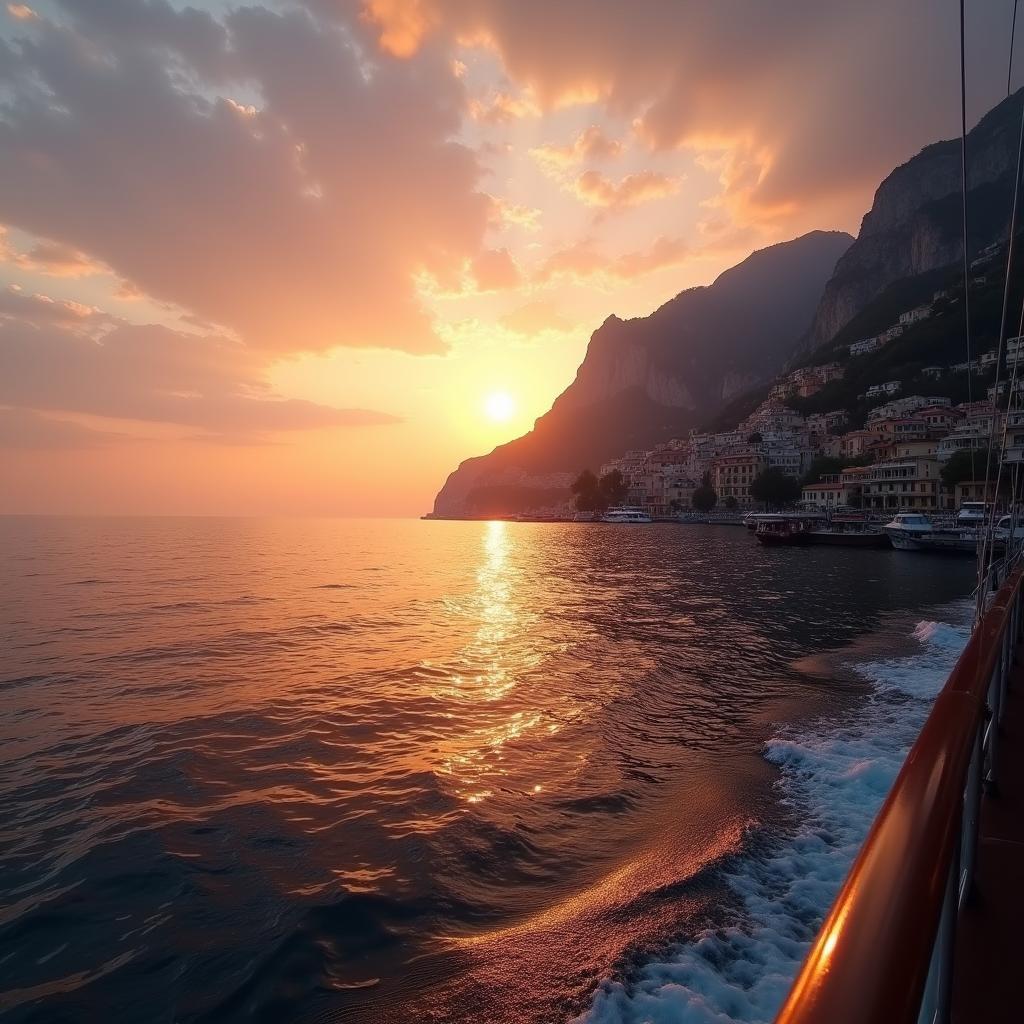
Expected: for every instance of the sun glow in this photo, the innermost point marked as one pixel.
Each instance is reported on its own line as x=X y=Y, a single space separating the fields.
x=499 y=406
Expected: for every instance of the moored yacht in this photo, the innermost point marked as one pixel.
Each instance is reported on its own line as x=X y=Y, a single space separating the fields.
x=907 y=529
x=972 y=514
x=626 y=514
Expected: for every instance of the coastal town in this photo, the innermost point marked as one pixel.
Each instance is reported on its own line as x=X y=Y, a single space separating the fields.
x=894 y=461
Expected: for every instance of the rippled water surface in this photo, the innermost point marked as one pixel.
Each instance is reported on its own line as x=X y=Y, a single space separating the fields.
x=386 y=771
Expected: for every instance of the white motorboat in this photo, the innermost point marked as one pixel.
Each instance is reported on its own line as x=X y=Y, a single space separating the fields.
x=972 y=514
x=626 y=514
x=907 y=529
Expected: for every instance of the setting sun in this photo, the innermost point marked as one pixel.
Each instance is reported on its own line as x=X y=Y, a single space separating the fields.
x=499 y=406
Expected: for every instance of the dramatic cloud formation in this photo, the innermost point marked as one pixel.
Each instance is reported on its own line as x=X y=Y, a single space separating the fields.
x=810 y=100
x=515 y=214
x=51 y=360
x=594 y=189
x=590 y=144
x=299 y=220
x=51 y=258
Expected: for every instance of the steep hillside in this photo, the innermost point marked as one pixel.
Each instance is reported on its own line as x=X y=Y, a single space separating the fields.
x=651 y=378
x=914 y=224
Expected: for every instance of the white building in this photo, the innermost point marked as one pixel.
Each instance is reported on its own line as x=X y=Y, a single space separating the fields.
x=913 y=316
x=862 y=348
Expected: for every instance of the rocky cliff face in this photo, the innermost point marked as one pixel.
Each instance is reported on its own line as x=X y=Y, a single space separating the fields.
x=651 y=378
x=914 y=224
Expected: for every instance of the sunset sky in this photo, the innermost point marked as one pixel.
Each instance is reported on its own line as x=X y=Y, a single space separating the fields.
x=304 y=257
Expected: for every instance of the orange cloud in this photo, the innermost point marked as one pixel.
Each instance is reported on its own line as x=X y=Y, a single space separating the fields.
x=403 y=24
x=52 y=360
x=505 y=213
x=51 y=258
x=297 y=225
x=502 y=107
x=594 y=189
x=21 y=12
x=590 y=144
x=788 y=79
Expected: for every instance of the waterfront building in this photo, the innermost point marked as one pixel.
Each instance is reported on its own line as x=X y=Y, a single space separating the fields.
x=933 y=372
x=828 y=493
x=733 y=475
x=904 y=483
x=854 y=479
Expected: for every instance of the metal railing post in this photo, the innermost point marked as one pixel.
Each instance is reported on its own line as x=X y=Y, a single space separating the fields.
x=938 y=988
x=969 y=817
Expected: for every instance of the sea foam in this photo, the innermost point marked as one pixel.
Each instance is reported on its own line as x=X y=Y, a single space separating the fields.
x=834 y=777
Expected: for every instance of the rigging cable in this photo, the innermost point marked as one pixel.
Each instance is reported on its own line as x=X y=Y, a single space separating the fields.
x=1013 y=30
x=986 y=545
x=963 y=178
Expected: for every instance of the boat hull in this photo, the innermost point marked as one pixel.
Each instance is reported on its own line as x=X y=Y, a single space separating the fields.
x=780 y=540
x=903 y=541
x=951 y=543
x=849 y=540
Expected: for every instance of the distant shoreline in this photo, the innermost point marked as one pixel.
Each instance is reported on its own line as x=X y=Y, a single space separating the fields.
x=723 y=519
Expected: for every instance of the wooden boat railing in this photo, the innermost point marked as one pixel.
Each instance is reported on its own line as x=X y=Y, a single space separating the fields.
x=885 y=951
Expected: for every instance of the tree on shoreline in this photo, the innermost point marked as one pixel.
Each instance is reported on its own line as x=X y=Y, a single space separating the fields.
x=960 y=466
x=704 y=498
x=585 y=487
x=613 y=488
x=593 y=495
x=774 y=488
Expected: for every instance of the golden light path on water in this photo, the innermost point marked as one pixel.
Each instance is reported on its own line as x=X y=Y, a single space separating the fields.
x=474 y=761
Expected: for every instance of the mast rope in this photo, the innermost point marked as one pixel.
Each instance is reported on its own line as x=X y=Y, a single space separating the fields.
x=986 y=540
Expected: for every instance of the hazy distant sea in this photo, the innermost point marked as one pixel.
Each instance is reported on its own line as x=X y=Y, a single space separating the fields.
x=289 y=770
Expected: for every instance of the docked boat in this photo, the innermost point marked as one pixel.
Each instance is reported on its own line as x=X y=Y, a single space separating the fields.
x=907 y=530
x=626 y=514
x=782 y=531
x=752 y=520
x=1003 y=528
x=851 y=531
x=950 y=542
x=972 y=514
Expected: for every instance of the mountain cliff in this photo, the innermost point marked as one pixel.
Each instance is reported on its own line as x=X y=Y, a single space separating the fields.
x=914 y=224
x=650 y=378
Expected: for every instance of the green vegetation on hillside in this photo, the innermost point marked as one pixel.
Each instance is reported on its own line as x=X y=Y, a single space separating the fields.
x=594 y=495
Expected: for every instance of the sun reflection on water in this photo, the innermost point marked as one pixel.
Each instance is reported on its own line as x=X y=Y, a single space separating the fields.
x=474 y=757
